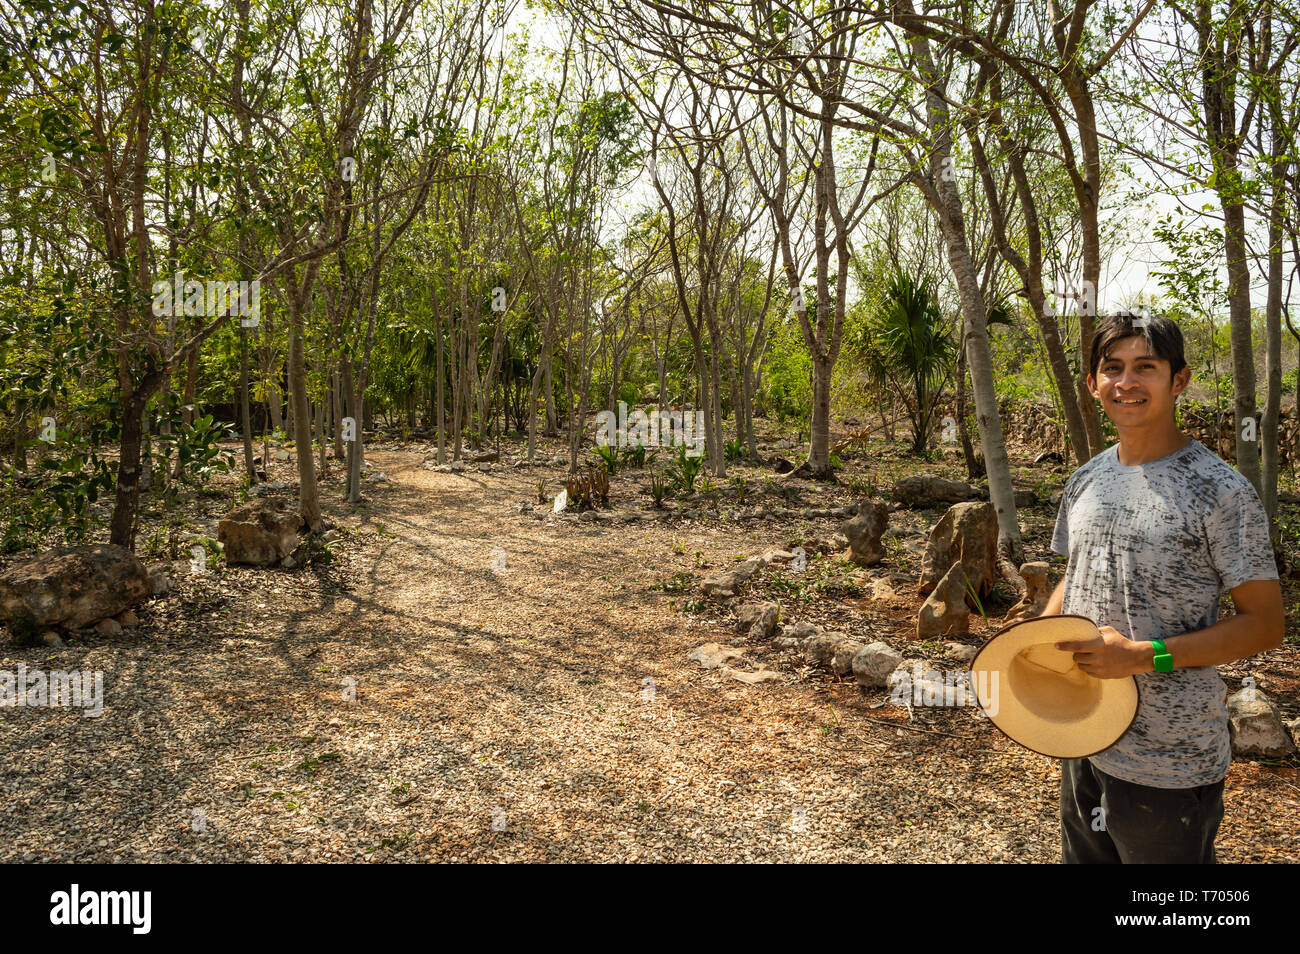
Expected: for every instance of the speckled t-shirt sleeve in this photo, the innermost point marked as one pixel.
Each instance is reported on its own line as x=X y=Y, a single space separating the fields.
x=1236 y=533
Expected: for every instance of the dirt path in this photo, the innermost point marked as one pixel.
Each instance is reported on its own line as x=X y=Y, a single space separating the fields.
x=439 y=707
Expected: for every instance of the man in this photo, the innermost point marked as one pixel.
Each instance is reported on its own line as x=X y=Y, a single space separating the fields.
x=1156 y=528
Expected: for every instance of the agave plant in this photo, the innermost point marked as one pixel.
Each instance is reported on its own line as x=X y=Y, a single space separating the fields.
x=685 y=469
x=608 y=454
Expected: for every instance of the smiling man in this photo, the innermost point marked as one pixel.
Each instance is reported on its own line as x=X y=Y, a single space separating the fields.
x=1156 y=529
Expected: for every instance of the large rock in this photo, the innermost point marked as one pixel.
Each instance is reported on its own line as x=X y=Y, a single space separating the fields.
x=966 y=534
x=1256 y=726
x=757 y=619
x=1036 y=596
x=927 y=490
x=944 y=612
x=864 y=531
x=72 y=587
x=262 y=532
x=873 y=664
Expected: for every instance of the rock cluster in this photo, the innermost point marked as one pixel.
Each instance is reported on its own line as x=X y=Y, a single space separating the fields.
x=76 y=587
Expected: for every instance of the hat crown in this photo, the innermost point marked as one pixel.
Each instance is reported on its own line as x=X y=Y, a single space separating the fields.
x=1046 y=702
x=1050 y=685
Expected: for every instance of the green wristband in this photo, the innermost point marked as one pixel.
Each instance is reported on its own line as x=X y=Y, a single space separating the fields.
x=1162 y=660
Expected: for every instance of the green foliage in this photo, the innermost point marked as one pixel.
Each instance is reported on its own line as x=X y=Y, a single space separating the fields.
x=164 y=541
x=636 y=456
x=197 y=449
x=80 y=478
x=907 y=350
x=682 y=582
x=213 y=550
x=658 y=488
x=609 y=457
x=735 y=450
x=863 y=485
x=822 y=578
x=683 y=472
x=787 y=373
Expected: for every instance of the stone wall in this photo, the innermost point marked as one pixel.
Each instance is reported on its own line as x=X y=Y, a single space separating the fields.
x=1034 y=427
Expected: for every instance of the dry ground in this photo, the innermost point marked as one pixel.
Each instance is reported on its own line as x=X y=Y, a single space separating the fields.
x=504 y=714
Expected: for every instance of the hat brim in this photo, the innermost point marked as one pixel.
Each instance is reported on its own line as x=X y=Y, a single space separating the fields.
x=1038 y=698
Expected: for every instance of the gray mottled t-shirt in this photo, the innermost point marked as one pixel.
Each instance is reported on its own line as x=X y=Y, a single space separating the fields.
x=1152 y=548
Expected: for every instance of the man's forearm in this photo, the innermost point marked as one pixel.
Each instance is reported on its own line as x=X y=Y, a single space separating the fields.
x=1258 y=625
x=1056 y=600
x=1236 y=637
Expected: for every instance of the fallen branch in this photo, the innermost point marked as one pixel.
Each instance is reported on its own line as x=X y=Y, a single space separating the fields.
x=913 y=728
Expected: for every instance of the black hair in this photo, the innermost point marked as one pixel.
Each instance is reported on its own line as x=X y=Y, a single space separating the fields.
x=1162 y=335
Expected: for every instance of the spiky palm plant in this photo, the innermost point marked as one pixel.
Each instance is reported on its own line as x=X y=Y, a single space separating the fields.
x=909 y=351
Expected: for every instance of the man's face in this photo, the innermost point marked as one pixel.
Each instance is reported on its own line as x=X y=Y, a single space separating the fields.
x=1134 y=386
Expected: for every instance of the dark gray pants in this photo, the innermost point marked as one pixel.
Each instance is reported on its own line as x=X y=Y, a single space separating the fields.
x=1105 y=820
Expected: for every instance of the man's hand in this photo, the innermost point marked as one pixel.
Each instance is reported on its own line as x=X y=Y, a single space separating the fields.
x=1112 y=655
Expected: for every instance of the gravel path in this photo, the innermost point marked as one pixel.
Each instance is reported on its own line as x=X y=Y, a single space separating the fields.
x=420 y=701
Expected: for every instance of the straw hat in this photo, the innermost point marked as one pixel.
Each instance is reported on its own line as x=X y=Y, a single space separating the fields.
x=1038 y=697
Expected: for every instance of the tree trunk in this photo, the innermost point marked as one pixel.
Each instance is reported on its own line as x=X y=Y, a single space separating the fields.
x=943 y=193
x=127 y=502
x=336 y=402
x=973 y=468
x=1269 y=429
x=308 y=494
x=440 y=399
x=1243 y=345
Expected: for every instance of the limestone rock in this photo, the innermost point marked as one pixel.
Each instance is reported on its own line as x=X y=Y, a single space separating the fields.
x=713 y=655
x=966 y=534
x=757 y=619
x=927 y=490
x=960 y=651
x=260 y=533
x=864 y=532
x=1256 y=726
x=882 y=589
x=944 y=612
x=750 y=678
x=108 y=627
x=725 y=584
x=1035 y=600
x=819 y=650
x=846 y=650
x=159 y=580
x=796 y=635
x=72 y=586
x=873 y=663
